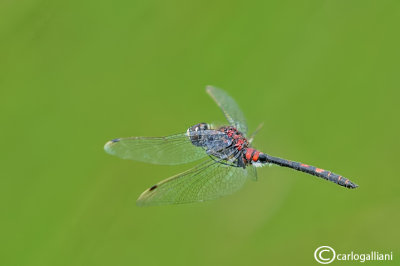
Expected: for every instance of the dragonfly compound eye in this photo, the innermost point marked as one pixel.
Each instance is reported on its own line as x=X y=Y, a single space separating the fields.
x=195 y=133
x=199 y=127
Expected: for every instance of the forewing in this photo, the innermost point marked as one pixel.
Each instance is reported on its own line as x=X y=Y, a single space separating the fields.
x=208 y=180
x=230 y=108
x=170 y=150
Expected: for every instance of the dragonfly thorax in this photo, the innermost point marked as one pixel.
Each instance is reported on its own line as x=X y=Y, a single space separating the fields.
x=226 y=144
x=238 y=140
x=245 y=154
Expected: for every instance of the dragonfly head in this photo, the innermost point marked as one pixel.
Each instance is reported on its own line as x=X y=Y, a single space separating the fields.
x=199 y=127
x=194 y=133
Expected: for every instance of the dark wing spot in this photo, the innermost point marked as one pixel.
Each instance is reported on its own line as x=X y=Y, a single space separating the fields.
x=153 y=188
x=115 y=140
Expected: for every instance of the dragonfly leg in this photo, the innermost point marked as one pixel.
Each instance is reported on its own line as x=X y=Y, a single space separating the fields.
x=234 y=163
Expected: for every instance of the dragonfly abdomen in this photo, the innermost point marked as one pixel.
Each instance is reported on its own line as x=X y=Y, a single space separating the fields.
x=252 y=156
x=325 y=174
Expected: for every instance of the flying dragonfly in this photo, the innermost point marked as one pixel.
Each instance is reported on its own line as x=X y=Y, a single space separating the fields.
x=226 y=158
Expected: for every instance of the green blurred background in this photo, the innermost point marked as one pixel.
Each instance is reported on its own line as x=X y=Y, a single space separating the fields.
x=322 y=75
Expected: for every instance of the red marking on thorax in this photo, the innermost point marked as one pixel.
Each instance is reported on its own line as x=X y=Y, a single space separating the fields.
x=304 y=165
x=239 y=141
x=239 y=144
x=230 y=131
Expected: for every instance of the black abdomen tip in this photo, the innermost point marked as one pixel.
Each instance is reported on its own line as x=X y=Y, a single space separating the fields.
x=352 y=185
x=349 y=184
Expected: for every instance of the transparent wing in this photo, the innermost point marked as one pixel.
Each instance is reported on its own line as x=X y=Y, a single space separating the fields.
x=252 y=172
x=230 y=108
x=170 y=150
x=208 y=180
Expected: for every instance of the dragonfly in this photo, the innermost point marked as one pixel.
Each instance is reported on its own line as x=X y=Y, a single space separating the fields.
x=226 y=158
